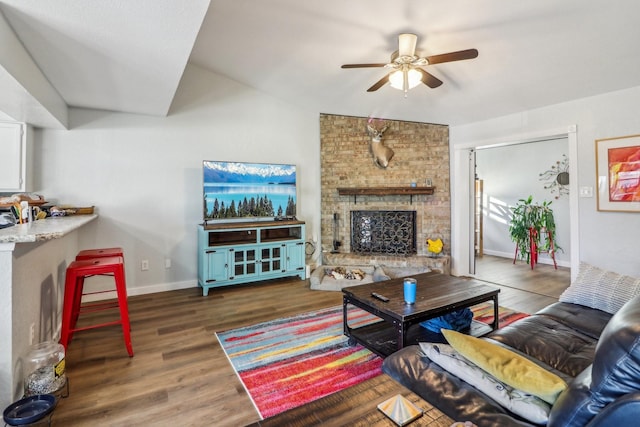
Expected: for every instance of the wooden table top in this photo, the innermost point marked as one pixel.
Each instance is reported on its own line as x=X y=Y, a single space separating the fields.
x=435 y=293
x=357 y=406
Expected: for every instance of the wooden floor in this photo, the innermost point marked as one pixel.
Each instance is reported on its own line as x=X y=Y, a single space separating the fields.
x=522 y=288
x=180 y=376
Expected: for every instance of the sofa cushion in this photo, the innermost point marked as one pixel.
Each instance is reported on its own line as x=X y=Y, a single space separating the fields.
x=614 y=373
x=507 y=366
x=517 y=401
x=564 y=350
x=601 y=289
x=587 y=320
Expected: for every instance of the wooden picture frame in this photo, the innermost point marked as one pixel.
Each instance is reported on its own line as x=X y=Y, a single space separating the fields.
x=618 y=173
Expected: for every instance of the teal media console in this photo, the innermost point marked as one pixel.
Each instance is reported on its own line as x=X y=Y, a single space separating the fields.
x=234 y=253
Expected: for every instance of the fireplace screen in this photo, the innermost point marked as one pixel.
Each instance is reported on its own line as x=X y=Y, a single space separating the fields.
x=383 y=232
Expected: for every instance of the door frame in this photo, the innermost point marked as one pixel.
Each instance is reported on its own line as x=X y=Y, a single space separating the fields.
x=462 y=192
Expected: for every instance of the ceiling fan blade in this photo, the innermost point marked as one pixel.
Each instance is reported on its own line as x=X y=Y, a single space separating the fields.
x=362 y=65
x=429 y=79
x=379 y=84
x=453 y=56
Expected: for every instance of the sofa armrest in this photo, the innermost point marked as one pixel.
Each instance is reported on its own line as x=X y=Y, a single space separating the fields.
x=621 y=412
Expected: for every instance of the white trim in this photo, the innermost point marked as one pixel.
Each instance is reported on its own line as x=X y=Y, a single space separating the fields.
x=574 y=223
x=518 y=138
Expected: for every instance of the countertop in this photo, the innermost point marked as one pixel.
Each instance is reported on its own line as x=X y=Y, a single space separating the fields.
x=44 y=229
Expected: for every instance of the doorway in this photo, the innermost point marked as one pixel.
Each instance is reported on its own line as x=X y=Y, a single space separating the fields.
x=463 y=168
x=509 y=173
x=504 y=175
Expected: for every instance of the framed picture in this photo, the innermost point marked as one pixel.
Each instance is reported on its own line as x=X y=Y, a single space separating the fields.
x=618 y=173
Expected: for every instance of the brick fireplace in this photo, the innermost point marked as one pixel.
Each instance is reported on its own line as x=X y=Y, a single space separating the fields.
x=421 y=155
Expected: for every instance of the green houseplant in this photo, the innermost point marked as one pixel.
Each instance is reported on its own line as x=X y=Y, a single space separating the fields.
x=531 y=221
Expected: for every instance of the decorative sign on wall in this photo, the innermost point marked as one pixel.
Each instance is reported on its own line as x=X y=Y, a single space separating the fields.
x=556 y=178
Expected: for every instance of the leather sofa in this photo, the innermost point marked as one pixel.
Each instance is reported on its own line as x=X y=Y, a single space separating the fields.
x=596 y=353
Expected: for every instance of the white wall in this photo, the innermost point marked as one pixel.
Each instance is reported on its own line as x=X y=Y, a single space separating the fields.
x=144 y=174
x=607 y=239
x=511 y=173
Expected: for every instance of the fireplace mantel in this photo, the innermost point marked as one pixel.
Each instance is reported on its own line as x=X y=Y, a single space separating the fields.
x=385 y=191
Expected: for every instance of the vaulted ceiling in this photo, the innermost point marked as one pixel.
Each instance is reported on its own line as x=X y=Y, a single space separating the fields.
x=129 y=55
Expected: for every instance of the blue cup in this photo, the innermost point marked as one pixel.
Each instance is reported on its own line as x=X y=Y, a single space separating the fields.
x=410 y=290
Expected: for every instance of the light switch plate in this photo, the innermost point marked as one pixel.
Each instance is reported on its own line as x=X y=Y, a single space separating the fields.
x=586 y=191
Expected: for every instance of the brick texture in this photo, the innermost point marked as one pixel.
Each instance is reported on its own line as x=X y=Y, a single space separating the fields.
x=421 y=152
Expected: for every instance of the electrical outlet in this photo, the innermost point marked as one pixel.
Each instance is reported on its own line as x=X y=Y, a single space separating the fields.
x=167 y=263
x=144 y=265
x=32 y=334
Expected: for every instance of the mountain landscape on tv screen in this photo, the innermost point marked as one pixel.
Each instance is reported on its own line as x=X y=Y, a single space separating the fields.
x=228 y=172
x=245 y=190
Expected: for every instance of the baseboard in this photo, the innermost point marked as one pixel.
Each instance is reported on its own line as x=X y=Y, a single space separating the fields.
x=143 y=290
x=162 y=287
x=542 y=258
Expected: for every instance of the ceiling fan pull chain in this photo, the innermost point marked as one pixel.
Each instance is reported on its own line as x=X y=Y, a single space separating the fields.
x=405 y=80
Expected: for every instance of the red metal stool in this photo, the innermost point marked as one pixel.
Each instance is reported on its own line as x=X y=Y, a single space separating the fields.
x=77 y=271
x=90 y=254
x=99 y=253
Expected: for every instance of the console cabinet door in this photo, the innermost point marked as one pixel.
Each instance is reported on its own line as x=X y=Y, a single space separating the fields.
x=216 y=265
x=295 y=256
x=272 y=259
x=244 y=262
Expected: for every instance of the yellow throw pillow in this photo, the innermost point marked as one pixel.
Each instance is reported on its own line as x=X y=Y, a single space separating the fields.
x=507 y=366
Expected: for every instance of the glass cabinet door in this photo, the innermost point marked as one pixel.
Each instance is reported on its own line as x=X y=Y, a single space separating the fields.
x=244 y=262
x=271 y=259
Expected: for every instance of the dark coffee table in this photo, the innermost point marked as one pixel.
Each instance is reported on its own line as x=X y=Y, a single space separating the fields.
x=437 y=294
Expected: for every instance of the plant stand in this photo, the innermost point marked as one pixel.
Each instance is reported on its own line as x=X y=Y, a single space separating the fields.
x=535 y=250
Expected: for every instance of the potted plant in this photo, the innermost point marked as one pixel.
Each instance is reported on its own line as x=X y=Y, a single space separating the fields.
x=528 y=223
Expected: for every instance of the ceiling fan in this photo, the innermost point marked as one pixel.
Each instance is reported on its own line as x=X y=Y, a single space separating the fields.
x=406 y=66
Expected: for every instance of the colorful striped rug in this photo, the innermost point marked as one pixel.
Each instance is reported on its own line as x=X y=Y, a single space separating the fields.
x=484 y=313
x=285 y=363
x=288 y=362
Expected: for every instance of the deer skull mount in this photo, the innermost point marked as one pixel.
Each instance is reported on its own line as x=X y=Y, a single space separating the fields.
x=382 y=154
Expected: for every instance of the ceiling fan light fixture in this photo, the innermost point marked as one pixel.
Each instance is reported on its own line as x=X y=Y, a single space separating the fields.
x=397 y=79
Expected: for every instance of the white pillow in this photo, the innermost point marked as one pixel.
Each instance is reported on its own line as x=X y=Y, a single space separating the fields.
x=526 y=405
x=600 y=289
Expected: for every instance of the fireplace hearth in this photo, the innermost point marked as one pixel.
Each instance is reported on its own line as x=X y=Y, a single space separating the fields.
x=383 y=232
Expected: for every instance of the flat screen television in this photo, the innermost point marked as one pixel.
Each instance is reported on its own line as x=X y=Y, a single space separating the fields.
x=248 y=191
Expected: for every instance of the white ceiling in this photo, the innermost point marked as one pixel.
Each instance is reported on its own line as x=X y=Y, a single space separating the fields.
x=129 y=55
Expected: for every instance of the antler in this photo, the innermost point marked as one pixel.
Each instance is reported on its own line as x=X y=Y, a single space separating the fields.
x=376 y=127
